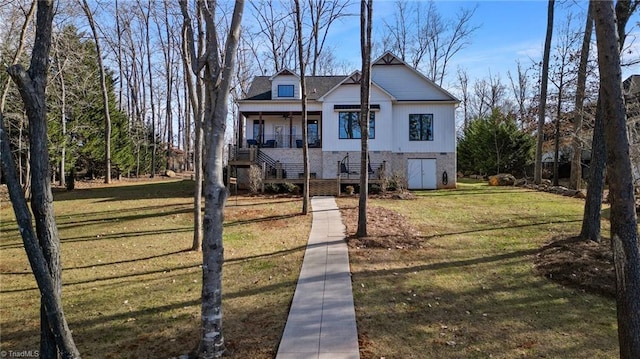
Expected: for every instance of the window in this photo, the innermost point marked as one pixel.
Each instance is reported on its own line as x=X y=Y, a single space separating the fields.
x=421 y=127
x=350 y=127
x=285 y=90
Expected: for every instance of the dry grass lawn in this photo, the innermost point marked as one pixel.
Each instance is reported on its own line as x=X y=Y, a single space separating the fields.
x=455 y=278
x=131 y=290
x=449 y=274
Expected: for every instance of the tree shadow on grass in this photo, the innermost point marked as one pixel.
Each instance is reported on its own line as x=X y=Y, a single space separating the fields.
x=497 y=228
x=504 y=314
x=144 y=190
x=262 y=219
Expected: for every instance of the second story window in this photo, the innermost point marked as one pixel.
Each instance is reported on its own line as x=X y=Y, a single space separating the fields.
x=285 y=90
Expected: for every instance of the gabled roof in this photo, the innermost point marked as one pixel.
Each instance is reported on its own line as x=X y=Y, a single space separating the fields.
x=389 y=58
x=354 y=78
x=320 y=86
x=284 y=71
x=317 y=86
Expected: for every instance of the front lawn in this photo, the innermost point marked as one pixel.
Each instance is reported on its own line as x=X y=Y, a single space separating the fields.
x=131 y=288
x=455 y=278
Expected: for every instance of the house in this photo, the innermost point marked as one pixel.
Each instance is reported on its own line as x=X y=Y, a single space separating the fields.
x=631 y=93
x=412 y=128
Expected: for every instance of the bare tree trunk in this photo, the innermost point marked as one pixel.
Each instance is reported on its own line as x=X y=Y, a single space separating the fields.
x=366 y=9
x=63 y=118
x=463 y=79
x=537 y=178
x=217 y=78
x=119 y=54
x=105 y=94
x=624 y=227
x=303 y=91
x=556 y=138
x=43 y=247
x=196 y=93
x=575 y=180
x=169 y=73
x=593 y=203
x=147 y=20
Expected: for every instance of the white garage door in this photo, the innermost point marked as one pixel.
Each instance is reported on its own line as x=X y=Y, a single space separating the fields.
x=422 y=174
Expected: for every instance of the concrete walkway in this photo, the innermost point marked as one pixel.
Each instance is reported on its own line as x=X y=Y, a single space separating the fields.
x=322 y=320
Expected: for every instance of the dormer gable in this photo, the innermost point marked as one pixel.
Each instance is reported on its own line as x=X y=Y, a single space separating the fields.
x=285 y=85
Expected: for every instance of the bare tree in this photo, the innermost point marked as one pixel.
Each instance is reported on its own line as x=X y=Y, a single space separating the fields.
x=463 y=80
x=24 y=175
x=303 y=90
x=196 y=92
x=591 y=226
x=624 y=227
x=543 y=94
x=520 y=87
x=43 y=246
x=575 y=181
x=443 y=43
x=217 y=65
x=563 y=75
x=105 y=93
x=322 y=13
x=63 y=109
x=146 y=17
x=366 y=18
x=397 y=37
x=426 y=39
x=274 y=26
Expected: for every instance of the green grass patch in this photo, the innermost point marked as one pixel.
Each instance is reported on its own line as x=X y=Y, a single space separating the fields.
x=132 y=288
x=470 y=289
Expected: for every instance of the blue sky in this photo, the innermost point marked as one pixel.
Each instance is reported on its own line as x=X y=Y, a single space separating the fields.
x=509 y=31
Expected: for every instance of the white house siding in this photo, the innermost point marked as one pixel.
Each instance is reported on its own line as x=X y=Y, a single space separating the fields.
x=444 y=128
x=350 y=95
x=405 y=84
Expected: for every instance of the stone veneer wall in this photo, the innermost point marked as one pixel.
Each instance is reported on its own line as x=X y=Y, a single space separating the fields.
x=395 y=163
x=325 y=164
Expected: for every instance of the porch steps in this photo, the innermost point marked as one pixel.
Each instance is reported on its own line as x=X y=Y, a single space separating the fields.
x=323 y=188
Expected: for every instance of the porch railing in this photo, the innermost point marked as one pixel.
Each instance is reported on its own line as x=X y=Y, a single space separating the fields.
x=283 y=141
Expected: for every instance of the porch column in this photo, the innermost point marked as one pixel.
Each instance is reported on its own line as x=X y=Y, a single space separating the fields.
x=290 y=129
x=261 y=136
x=240 y=131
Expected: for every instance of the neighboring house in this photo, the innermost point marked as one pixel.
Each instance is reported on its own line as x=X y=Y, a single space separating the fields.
x=412 y=128
x=631 y=92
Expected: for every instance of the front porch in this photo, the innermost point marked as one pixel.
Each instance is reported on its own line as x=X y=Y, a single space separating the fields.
x=280 y=129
